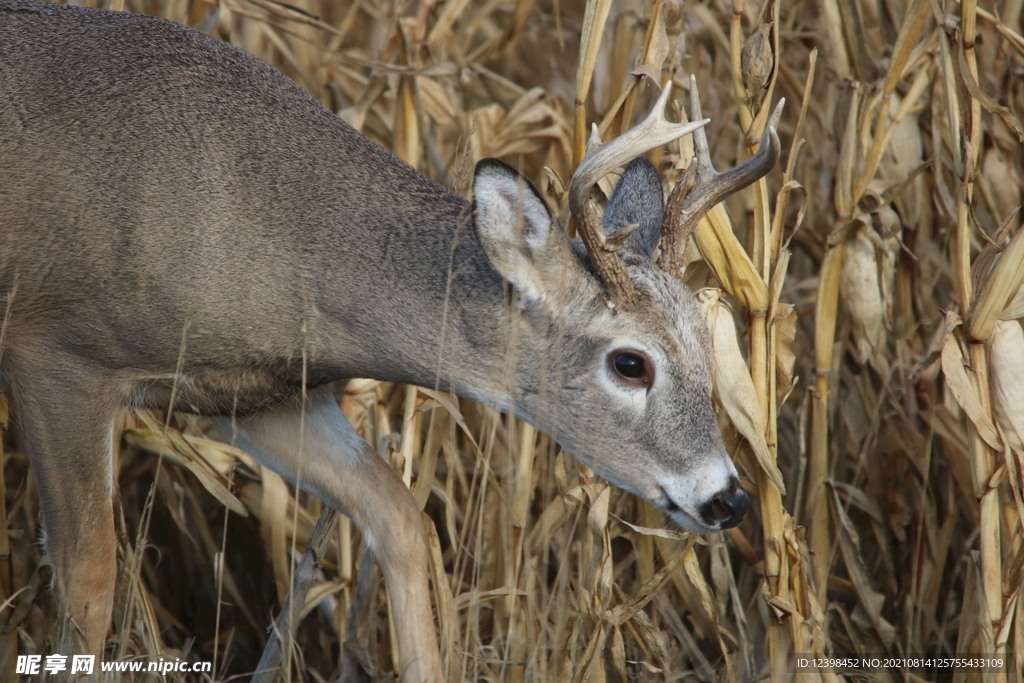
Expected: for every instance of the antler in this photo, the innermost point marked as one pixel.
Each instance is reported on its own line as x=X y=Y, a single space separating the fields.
x=600 y=160
x=701 y=187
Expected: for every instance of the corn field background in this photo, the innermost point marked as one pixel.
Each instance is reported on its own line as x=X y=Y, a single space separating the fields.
x=865 y=301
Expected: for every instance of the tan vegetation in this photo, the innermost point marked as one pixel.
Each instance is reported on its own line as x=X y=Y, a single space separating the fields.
x=866 y=302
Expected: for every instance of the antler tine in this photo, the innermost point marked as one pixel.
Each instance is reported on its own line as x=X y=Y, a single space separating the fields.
x=655 y=130
x=701 y=187
x=600 y=159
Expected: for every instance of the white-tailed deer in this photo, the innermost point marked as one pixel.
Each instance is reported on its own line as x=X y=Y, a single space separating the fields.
x=182 y=224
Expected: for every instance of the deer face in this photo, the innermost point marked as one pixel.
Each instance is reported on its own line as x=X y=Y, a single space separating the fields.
x=626 y=391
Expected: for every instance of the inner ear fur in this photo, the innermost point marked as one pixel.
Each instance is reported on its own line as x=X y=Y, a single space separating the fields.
x=518 y=232
x=637 y=199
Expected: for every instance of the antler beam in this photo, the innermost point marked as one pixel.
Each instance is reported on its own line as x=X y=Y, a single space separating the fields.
x=600 y=159
x=702 y=187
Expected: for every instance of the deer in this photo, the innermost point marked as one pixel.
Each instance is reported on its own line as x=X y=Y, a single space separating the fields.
x=186 y=229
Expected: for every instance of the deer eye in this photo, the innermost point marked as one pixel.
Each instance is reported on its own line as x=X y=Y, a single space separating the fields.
x=633 y=368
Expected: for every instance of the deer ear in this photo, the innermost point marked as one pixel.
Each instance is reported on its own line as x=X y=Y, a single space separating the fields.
x=516 y=228
x=637 y=200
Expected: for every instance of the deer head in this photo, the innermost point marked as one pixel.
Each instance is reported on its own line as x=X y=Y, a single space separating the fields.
x=612 y=356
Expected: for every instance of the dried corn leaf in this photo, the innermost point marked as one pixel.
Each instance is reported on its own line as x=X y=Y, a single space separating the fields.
x=598 y=515
x=435 y=102
x=999 y=289
x=660 y=533
x=628 y=609
x=319 y=592
x=594 y=21
x=729 y=260
x=691 y=567
x=447 y=616
x=986 y=100
x=274 y=525
x=871 y=600
x=964 y=388
x=785 y=356
x=732 y=384
x=1015 y=308
x=173 y=446
x=453 y=9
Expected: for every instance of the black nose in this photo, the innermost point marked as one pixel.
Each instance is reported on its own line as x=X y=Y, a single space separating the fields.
x=726 y=508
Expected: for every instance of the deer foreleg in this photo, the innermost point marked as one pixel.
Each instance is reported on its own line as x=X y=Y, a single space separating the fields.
x=317 y=447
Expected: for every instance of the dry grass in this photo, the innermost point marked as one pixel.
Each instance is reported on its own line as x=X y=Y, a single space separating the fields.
x=870 y=278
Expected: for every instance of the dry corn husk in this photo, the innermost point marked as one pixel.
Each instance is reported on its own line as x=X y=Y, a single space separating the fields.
x=1001 y=174
x=1006 y=371
x=732 y=384
x=861 y=291
x=906 y=152
x=758 y=62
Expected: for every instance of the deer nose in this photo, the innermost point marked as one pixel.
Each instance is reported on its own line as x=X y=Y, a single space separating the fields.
x=726 y=508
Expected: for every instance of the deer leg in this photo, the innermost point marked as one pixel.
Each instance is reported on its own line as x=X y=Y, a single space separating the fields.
x=317 y=447
x=64 y=427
